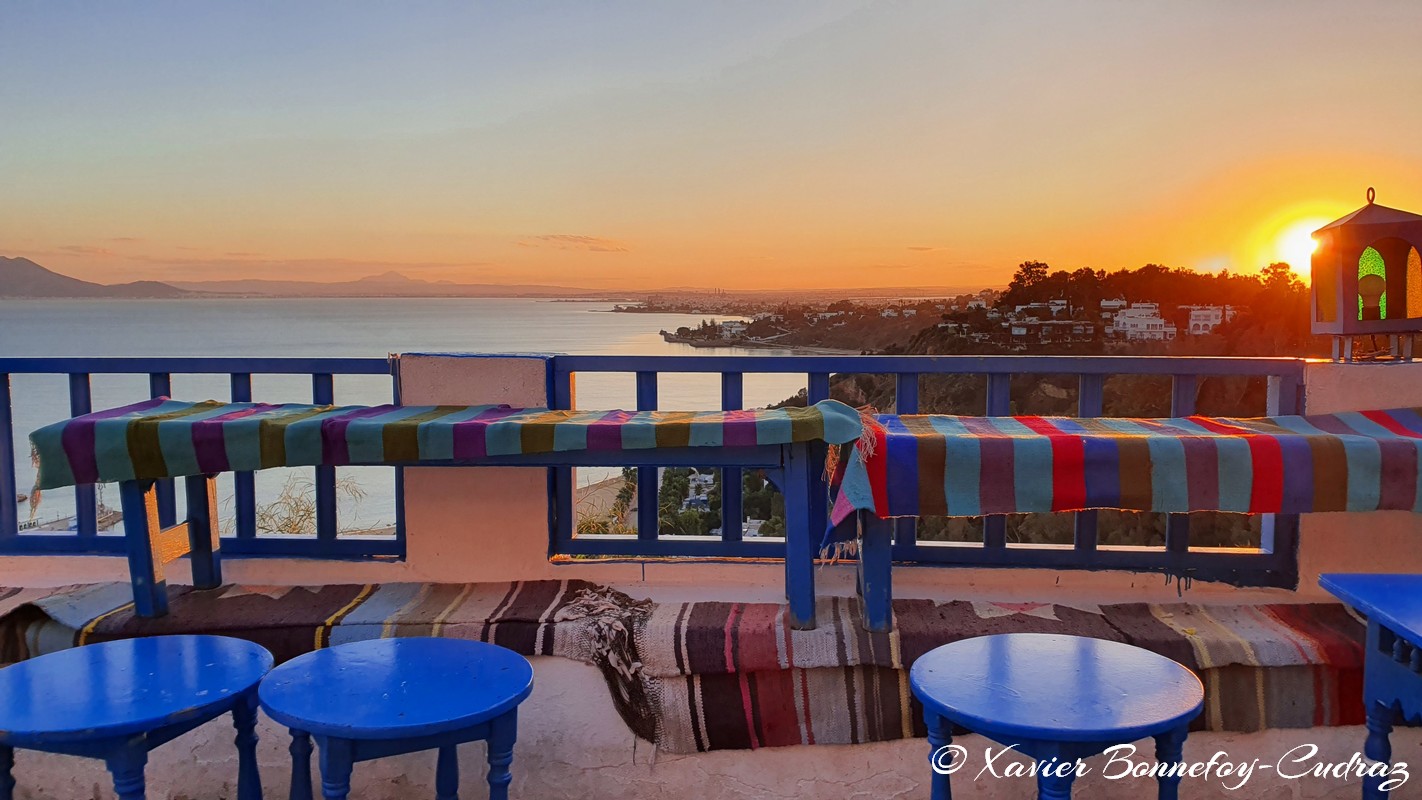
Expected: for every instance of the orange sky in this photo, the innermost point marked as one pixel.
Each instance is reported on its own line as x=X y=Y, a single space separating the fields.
x=837 y=144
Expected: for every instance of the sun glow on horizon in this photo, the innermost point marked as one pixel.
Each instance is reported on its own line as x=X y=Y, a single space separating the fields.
x=1295 y=244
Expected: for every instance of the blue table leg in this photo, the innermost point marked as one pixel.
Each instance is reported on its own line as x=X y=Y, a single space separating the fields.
x=300 y=765
x=244 y=719
x=1170 y=749
x=203 y=543
x=336 y=762
x=1378 y=746
x=140 y=529
x=799 y=539
x=7 y=777
x=1053 y=787
x=127 y=769
x=939 y=737
x=875 y=568
x=447 y=774
x=503 y=731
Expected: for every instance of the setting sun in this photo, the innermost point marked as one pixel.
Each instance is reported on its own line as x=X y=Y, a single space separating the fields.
x=1296 y=244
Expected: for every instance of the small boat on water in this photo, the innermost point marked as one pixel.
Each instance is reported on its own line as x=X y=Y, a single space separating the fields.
x=22 y=498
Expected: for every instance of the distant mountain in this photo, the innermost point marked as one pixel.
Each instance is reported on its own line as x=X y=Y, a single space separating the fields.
x=386 y=284
x=21 y=277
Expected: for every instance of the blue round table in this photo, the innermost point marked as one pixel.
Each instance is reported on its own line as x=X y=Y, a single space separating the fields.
x=118 y=700
x=385 y=697
x=1055 y=697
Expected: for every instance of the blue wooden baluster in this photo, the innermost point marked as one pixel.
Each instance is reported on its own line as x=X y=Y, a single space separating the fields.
x=244 y=486
x=205 y=552
x=323 y=393
x=1378 y=746
x=86 y=519
x=7 y=777
x=160 y=384
x=447 y=774
x=732 y=511
x=1170 y=750
x=799 y=540
x=9 y=517
x=502 y=733
x=648 y=522
x=1085 y=533
x=127 y=769
x=145 y=570
x=300 y=765
x=939 y=737
x=336 y=761
x=875 y=572
x=244 y=719
x=999 y=404
x=1183 y=390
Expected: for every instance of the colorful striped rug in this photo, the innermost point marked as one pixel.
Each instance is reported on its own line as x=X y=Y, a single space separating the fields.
x=716 y=675
x=971 y=466
x=165 y=438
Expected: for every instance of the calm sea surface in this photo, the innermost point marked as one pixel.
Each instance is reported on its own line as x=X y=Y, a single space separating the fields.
x=330 y=327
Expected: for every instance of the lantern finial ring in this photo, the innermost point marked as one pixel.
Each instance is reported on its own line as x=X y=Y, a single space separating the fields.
x=1372 y=195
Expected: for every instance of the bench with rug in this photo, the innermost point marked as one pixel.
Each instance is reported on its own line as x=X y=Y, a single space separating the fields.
x=160 y=439
x=914 y=465
x=700 y=676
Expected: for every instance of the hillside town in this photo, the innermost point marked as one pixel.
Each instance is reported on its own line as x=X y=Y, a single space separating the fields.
x=980 y=318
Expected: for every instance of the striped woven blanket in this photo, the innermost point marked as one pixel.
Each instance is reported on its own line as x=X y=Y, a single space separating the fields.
x=165 y=438
x=721 y=675
x=970 y=466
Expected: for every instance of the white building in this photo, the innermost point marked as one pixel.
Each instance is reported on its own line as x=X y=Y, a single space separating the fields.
x=1204 y=319
x=1142 y=322
x=977 y=302
x=730 y=330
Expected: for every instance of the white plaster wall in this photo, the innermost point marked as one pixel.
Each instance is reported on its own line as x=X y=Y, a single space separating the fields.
x=573 y=744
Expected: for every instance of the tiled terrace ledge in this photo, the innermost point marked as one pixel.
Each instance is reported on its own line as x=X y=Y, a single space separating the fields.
x=490 y=524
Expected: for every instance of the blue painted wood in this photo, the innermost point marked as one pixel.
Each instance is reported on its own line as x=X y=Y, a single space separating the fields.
x=732 y=479
x=116 y=700
x=205 y=546
x=386 y=697
x=1089 y=402
x=323 y=392
x=160 y=384
x=905 y=402
x=1392 y=684
x=145 y=570
x=198 y=365
x=973 y=365
x=300 y=750
x=1056 y=697
x=560 y=478
x=875 y=572
x=399 y=471
x=800 y=538
x=244 y=484
x=1183 y=390
x=648 y=519
x=159 y=371
x=9 y=492
x=394 y=688
x=85 y=506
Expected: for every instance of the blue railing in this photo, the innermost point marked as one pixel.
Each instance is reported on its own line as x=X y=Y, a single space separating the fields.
x=1273 y=563
x=245 y=541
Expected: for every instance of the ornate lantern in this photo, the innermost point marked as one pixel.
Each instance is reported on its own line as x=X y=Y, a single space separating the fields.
x=1367 y=278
